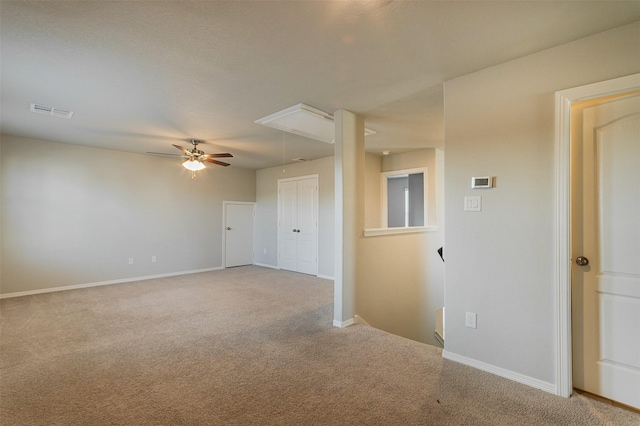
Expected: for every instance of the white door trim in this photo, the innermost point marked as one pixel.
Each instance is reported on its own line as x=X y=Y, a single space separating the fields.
x=564 y=100
x=224 y=226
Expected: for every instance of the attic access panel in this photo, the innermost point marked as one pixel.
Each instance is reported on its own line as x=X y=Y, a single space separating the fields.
x=305 y=120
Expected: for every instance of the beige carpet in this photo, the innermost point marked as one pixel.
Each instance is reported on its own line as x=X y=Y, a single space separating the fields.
x=243 y=346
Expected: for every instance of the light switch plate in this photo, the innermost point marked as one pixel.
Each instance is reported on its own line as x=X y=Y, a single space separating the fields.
x=471 y=320
x=473 y=203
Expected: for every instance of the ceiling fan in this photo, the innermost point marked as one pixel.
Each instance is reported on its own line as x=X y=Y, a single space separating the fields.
x=196 y=158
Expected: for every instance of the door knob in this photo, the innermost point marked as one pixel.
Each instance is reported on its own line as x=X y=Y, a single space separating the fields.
x=582 y=261
x=228 y=229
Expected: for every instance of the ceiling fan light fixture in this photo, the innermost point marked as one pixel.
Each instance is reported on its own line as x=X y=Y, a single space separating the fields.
x=193 y=165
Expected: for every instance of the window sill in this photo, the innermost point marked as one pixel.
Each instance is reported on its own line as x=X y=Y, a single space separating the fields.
x=376 y=232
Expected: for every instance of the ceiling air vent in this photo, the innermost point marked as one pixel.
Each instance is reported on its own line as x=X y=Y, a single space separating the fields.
x=57 y=112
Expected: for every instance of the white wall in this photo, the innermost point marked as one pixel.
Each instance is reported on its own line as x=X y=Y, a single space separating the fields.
x=499 y=262
x=266 y=225
x=401 y=277
x=74 y=215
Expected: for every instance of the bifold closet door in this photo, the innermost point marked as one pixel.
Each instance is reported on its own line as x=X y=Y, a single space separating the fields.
x=298 y=225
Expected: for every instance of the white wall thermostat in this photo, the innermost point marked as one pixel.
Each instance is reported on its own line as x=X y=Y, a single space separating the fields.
x=482 y=182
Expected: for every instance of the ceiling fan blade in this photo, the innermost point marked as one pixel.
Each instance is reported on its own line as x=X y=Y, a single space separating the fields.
x=220 y=163
x=163 y=153
x=222 y=155
x=184 y=150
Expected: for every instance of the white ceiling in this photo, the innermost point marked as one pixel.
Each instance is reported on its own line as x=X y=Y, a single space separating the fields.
x=141 y=75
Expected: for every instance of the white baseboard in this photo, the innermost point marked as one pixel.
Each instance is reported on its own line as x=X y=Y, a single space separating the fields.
x=507 y=374
x=100 y=283
x=264 y=265
x=326 y=277
x=344 y=324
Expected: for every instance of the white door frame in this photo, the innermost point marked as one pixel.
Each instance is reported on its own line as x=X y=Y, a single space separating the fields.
x=564 y=100
x=224 y=226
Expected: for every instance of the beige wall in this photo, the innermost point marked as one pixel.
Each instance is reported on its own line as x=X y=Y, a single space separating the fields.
x=373 y=166
x=499 y=262
x=74 y=215
x=400 y=282
x=266 y=225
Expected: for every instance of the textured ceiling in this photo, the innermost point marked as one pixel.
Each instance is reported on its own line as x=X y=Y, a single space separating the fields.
x=141 y=75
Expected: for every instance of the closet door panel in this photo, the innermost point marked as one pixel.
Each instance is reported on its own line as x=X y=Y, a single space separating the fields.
x=307 y=226
x=287 y=214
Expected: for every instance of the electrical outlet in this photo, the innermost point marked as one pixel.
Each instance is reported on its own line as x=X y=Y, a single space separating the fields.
x=264 y=251
x=131 y=261
x=154 y=259
x=471 y=320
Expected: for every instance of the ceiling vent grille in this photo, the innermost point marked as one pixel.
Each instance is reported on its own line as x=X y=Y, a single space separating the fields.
x=57 y=112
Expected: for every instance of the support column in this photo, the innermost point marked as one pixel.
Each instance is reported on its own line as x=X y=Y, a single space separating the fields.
x=349 y=211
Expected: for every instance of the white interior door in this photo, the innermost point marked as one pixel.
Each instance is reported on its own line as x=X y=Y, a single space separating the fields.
x=298 y=225
x=238 y=234
x=606 y=291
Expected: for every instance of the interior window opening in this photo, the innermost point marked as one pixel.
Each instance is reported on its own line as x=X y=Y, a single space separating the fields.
x=405 y=201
